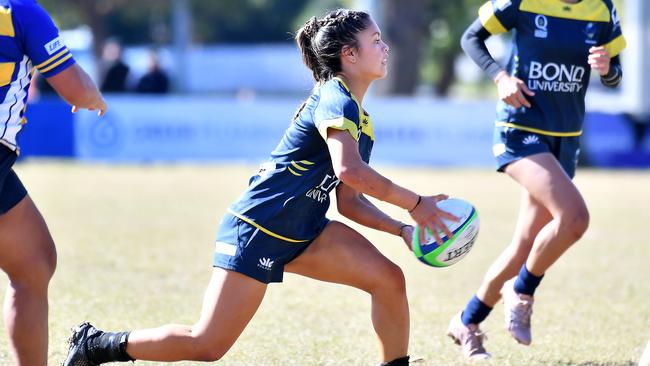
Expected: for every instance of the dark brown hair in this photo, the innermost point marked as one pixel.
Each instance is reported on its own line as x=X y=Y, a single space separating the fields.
x=322 y=40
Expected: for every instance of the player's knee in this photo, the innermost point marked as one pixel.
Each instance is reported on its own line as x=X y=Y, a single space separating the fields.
x=37 y=271
x=391 y=278
x=46 y=264
x=575 y=223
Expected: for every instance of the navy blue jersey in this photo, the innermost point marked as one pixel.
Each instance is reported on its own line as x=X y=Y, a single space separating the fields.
x=550 y=46
x=289 y=196
x=28 y=39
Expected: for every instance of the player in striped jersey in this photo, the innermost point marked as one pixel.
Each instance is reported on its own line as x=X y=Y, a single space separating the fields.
x=29 y=41
x=279 y=223
x=555 y=46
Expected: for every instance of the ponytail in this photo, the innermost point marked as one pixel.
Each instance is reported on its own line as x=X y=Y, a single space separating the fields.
x=304 y=38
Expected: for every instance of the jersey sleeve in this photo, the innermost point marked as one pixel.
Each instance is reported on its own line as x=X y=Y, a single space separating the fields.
x=613 y=38
x=339 y=113
x=41 y=40
x=499 y=16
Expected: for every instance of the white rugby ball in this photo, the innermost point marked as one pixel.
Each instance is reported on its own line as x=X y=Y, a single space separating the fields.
x=453 y=249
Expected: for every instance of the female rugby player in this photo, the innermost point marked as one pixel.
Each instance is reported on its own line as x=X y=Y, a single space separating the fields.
x=539 y=120
x=278 y=224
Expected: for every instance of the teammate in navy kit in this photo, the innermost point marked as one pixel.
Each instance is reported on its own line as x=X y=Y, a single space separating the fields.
x=556 y=44
x=278 y=224
x=29 y=40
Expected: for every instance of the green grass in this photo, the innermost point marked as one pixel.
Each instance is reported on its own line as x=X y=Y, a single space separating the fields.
x=135 y=245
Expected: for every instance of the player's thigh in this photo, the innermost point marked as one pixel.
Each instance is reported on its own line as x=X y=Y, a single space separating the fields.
x=342 y=255
x=547 y=183
x=26 y=246
x=229 y=303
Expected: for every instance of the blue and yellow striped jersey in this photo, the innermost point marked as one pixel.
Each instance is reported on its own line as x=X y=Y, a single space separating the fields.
x=28 y=39
x=289 y=196
x=550 y=46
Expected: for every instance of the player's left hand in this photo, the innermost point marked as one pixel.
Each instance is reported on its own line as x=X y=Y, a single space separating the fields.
x=599 y=59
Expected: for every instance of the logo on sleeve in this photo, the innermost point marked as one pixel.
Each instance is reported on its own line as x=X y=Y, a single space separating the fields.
x=54 y=45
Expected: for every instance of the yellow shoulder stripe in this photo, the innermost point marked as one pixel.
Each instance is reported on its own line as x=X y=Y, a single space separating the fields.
x=340 y=123
x=489 y=20
x=616 y=45
x=263 y=229
x=306 y=162
x=537 y=130
x=6 y=23
x=589 y=10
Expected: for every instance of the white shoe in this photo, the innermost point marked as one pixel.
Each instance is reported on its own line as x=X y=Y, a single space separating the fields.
x=469 y=338
x=518 y=310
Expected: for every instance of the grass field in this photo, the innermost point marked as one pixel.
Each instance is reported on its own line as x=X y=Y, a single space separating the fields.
x=135 y=245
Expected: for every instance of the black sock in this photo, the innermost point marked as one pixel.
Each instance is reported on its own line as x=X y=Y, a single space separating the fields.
x=108 y=347
x=402 y=361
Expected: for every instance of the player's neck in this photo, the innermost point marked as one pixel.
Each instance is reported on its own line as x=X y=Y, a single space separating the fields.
x=357 y=87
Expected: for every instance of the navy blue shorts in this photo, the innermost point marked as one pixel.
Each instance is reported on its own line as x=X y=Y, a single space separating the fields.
x=512 y=144
x=244 y=248
x=12 y=190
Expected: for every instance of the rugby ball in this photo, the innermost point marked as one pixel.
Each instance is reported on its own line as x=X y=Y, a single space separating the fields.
x=453 y=249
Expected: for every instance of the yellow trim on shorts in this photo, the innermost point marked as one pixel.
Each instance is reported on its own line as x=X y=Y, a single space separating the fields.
x=538 y=131
x=263 y=229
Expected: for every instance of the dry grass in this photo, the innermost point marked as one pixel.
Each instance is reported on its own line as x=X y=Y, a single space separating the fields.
x=135 y=247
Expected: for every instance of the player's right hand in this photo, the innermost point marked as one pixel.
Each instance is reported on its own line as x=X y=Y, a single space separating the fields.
x=512 y=89
x=99 y=105
x=427 y=214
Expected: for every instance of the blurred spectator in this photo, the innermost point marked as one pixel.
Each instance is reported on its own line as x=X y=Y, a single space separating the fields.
x=155 y=81
x=117 y=71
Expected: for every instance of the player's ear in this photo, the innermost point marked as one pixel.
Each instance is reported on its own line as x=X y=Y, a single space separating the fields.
x=349 y=53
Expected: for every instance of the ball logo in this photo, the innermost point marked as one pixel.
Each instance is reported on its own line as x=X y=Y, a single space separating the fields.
x=555 y=77
x=541 y=25
x=459 y=252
